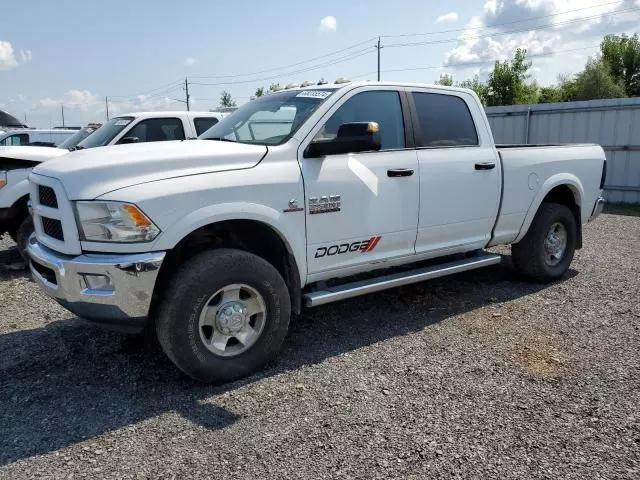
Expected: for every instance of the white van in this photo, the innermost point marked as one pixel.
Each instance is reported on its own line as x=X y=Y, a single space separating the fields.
x=26 y=136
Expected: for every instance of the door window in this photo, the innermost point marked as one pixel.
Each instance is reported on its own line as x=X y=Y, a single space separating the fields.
x=445 y=121
x=17 y=139
x=157 y=130
x=382 y=107
x=203 y=124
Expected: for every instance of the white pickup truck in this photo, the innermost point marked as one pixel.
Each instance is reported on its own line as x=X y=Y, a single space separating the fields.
x=216 y=242
x=16 y=162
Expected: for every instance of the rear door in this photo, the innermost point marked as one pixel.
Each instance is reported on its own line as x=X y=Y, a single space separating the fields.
x=460 y=175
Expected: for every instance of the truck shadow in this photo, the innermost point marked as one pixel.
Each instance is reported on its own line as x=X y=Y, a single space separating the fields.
x=69 y=381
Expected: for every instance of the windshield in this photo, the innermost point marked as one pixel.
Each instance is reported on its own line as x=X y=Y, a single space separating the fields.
x=269 y=120
x=105 y=133
x=76 y=138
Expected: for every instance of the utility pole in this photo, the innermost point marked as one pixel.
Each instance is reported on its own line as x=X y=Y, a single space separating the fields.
x=106 y=103
x=25 y=118
x=186 y=89
x=62 y=110
x=378 y=47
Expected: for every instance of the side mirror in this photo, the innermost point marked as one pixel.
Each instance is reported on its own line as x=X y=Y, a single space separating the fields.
x=129 y=140
x=351 y=138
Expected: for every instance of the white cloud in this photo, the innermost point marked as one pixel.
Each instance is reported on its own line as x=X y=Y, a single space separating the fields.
x=540 y=26
x=328 y=24
x=189 y=61
x=25 y=55
x=447 y=17
x=7 y=58
x=80 y=99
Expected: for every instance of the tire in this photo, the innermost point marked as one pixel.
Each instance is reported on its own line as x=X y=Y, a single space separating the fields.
x=530 y=255
x=13 y=234
x=193 y=288
x=22 y=237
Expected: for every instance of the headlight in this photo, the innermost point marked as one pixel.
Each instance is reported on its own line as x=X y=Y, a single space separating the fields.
x=3 y=179
x=113 y=222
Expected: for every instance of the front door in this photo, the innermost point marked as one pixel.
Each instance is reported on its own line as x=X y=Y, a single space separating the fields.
x=362 y=207
x=460 y=176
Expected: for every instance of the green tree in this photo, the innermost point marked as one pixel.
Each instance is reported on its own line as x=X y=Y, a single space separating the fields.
x=621 y=54
x=226 y=100
x=446 y=80
x=259 y=92
x=595 y=81
x=507 y=83
x=478 y=86
x=550 y=95
x=274 y=87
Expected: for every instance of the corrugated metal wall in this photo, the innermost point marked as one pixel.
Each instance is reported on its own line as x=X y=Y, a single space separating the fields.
x=614 y=124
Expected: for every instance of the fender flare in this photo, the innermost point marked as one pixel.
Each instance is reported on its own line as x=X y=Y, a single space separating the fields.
x=14 y=192
x=295 y=242
x=552 y=182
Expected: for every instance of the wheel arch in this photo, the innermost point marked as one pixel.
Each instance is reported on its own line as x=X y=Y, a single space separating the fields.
x=250 y=232
x=565 y=189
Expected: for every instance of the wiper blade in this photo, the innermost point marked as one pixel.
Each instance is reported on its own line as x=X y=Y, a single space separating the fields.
x=220 y=139
x=77 y=147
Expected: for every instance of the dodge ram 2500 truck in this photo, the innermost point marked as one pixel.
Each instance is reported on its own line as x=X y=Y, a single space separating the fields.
x=16 y=162
x=216 y=242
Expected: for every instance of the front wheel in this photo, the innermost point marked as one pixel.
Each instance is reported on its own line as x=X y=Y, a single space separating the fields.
x=22 y=237
x=545 y=252
x=225 y=313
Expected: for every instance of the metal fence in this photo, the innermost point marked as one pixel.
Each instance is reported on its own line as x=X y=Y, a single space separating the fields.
x=614 y=124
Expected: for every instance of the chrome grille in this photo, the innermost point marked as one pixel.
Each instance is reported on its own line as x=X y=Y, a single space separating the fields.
x=47 y=196
x=53 y=228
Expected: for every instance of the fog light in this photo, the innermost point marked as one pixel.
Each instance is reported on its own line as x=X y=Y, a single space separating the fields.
x=98 y=282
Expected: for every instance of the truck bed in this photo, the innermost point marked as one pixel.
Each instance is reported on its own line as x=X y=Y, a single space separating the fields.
x=530 y=170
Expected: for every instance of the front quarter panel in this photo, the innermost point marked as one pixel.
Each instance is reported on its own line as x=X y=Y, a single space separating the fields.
x=17 y=187
x=179 y=206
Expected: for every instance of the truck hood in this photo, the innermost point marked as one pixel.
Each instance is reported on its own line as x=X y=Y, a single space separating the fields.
x=87 y=174
x=33 y=154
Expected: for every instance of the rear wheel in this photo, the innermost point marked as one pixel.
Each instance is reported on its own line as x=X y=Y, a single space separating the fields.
x=545 y=252
x=225 y=313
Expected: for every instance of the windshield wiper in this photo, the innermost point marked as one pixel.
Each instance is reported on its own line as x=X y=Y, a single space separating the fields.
x=77 y=147
x=220 y=139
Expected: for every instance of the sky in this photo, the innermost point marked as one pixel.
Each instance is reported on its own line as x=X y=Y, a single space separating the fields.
x=137 y=54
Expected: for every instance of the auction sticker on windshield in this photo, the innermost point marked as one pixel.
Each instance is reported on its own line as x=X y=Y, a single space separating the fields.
x=314 y=94
x=122 y=123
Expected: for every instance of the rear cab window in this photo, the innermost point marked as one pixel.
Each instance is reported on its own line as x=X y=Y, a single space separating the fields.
x=203 y=124
x=443 y=121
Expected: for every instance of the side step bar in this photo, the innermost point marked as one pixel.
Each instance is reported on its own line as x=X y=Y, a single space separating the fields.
x=354 y=289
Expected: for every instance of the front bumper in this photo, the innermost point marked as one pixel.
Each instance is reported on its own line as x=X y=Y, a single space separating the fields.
x=597 y=208
x=113 y=289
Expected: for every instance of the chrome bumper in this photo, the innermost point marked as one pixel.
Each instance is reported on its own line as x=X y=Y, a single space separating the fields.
x=113 y=289
x=597 y=208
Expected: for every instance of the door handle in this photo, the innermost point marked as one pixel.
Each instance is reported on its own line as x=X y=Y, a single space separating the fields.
x=399 y=172
x=485 y=166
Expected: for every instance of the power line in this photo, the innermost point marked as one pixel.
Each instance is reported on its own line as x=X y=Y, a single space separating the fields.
x=351 y=47
x=483 y=27
x=147 y=92
x=353 y=56
x=471 y=64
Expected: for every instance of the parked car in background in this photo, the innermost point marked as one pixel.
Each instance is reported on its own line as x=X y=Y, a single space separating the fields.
x=304 y=196
x=26 y=136
x=16 y=162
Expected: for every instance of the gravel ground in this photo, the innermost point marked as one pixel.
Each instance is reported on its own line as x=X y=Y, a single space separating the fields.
x=479 y=375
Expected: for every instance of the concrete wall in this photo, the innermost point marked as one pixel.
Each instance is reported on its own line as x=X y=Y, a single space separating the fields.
x=614 y=124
